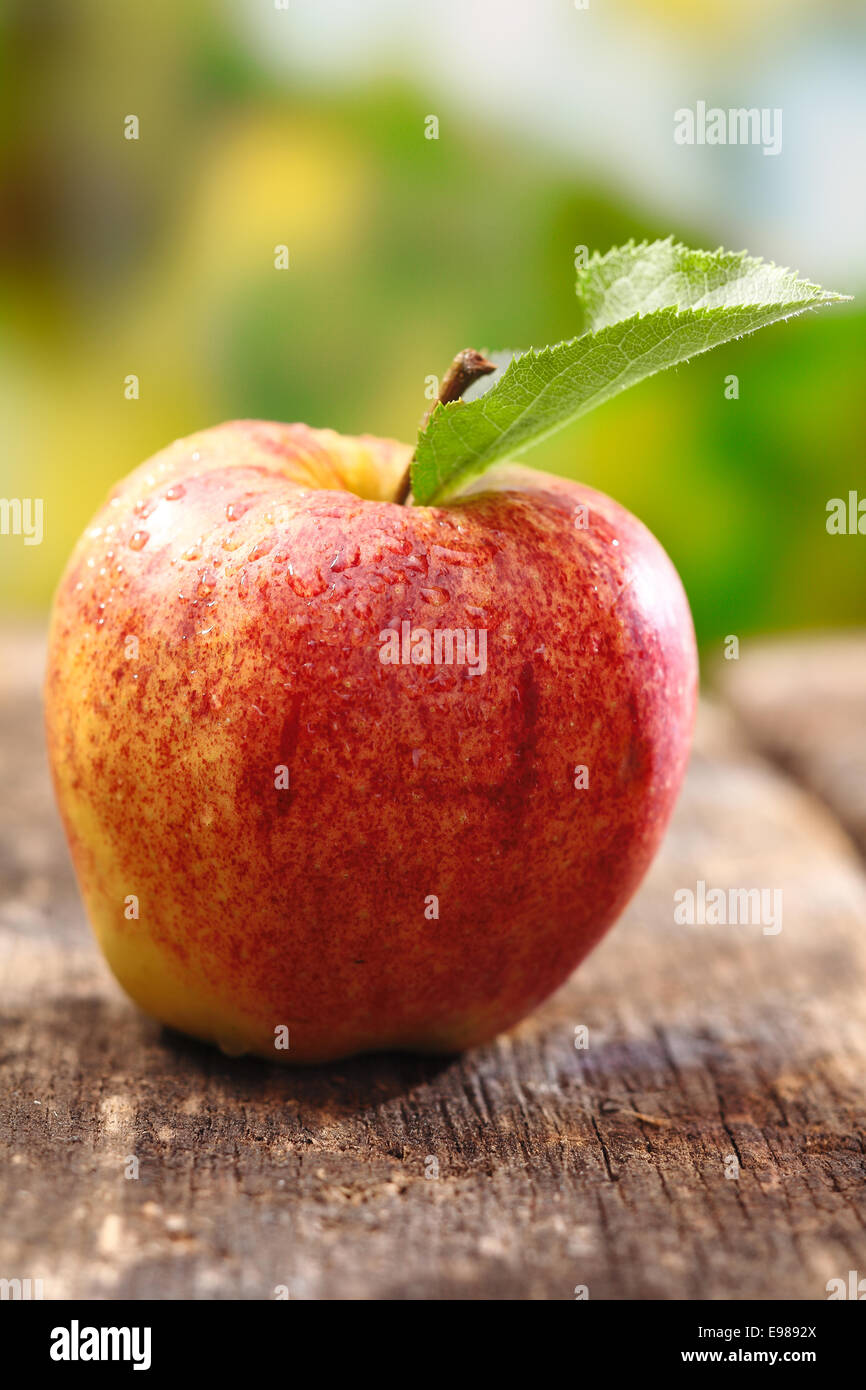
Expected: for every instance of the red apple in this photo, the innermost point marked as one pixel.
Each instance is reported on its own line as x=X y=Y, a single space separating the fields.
x=276 y=828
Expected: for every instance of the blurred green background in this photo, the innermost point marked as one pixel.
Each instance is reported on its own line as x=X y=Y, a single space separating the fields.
x=305 y=125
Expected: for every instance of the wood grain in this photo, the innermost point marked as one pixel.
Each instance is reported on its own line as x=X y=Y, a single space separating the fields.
x=804 y=704
x=557 y=1167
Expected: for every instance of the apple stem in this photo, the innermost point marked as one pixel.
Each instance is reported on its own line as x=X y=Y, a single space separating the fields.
x=467 y=367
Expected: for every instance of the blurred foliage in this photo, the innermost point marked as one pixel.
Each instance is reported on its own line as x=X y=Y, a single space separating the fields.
x=155 y=257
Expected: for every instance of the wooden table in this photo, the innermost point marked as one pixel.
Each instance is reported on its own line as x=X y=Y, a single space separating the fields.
x=708 y=1143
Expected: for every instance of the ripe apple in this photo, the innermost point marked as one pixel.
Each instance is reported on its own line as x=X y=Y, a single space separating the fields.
x=278 y=826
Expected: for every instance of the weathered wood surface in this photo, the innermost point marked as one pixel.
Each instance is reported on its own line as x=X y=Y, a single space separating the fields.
x=804 y=704
x=558 y=1167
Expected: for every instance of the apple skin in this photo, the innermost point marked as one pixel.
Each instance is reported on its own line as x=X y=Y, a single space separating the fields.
x=255 y=565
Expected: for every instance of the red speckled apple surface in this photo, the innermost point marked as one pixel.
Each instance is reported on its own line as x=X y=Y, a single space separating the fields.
x=283 y=838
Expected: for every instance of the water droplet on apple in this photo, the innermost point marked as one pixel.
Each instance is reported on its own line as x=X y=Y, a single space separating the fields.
x=138 y=540
x=192 y=552
x=435 y=596
x=307 y=587
x=346 y=558
x=261 y=548
x=398 y=545
x=206 y=584
x=176 y=491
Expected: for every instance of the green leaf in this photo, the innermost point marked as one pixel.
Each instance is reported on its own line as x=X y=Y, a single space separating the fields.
x=644 y=308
